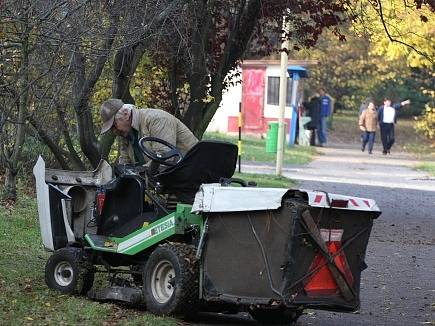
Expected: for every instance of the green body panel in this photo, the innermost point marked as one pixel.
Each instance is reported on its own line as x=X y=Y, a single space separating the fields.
x=143 y=238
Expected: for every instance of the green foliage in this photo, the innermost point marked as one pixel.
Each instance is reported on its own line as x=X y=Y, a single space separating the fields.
x=24 y=297
x=368 y=63
x=351 y=72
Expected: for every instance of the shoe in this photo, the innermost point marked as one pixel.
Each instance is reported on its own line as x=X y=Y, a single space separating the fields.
x=363 y=148
x=384 y=152
x=388 y=152
x=370 y=152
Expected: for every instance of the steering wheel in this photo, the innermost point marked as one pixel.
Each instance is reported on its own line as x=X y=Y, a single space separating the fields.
x=164 y=157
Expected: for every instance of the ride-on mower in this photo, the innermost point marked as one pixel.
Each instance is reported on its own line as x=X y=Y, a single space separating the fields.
x=190 y=238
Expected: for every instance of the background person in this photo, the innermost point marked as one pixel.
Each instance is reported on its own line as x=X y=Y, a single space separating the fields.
x=131 y=124
x=364 y=105
x=325 y=111
x=387 y=117
x=313 y=111
x=362 y=108
x=368 y=122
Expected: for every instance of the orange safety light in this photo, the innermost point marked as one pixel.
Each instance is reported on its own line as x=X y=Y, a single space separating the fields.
x=322 y=281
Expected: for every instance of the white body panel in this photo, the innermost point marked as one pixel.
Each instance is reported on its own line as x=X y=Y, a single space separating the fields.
x=63 y=180
x=215 y=198
x=43 y=201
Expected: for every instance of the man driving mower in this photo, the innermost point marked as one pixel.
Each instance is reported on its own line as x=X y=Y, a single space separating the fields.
x=131 y=124
x=184 y=240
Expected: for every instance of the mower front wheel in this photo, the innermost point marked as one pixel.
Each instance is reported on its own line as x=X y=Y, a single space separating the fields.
x=64 y=273
x=171 y=280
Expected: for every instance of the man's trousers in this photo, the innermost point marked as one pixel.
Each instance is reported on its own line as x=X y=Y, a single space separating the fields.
x=387 y=135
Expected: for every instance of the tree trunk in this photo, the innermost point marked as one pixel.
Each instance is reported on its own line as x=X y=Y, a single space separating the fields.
x=54 y=147
x=124 y=66
x=23 y=80
x=10 y=188
x=199 y=114
x=82 y=89
x=199 y=76
x=73 y=155
x=88 y=140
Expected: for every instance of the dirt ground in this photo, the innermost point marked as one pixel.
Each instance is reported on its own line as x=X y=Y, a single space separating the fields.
x=398 y=287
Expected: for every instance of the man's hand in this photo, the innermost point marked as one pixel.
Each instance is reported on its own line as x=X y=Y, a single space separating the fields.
x=362 y=128
x=405 y=102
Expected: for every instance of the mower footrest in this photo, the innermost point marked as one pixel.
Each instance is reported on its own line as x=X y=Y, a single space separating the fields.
x=100 y=242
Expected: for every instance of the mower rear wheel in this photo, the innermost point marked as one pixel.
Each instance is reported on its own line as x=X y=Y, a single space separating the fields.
x=276 y=316
x=64 y=273
x=171 y=280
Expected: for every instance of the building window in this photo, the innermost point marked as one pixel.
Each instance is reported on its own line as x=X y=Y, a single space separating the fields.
x=273 y=91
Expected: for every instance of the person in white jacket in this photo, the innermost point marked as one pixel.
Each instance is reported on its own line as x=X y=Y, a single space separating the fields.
x=387 y=117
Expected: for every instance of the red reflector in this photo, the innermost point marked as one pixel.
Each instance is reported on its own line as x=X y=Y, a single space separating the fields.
x=101 y=197
x=341 y=203
x=322 y=282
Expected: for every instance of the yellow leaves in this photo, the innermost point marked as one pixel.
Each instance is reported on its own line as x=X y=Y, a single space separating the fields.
x=405 y=25
x=208 y=99
x=426 y=123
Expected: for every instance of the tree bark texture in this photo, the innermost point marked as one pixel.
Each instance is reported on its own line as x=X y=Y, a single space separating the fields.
x=83 y=90
x=13 y=160
x=200 y=112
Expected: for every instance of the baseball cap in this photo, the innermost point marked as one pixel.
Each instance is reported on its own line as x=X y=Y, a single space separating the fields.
x=108 y=111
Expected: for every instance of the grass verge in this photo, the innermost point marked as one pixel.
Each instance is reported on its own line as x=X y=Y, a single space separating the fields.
x=427 y=166
x=266 y=180
x=254 y=149
x=24 y=297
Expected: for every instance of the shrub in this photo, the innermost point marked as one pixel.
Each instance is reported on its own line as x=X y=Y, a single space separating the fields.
x=425 y=124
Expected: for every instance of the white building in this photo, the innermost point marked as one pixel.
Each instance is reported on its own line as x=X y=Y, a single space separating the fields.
x=258 y=95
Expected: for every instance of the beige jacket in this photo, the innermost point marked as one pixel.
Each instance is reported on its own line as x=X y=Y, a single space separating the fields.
x=369 y=120
x=160 y=124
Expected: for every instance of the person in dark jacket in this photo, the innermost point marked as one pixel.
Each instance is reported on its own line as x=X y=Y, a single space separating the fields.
x=313 y=111
x=325 y=112
x=387 y=117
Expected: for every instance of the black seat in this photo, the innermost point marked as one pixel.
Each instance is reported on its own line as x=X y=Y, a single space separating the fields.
x=206 y=162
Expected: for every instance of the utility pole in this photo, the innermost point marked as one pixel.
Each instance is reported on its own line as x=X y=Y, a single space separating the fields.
x=282 y=100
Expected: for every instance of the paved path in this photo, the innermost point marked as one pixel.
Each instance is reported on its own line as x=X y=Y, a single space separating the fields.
x=398 y=287
x=344 y=164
